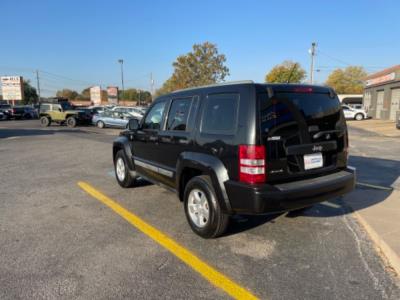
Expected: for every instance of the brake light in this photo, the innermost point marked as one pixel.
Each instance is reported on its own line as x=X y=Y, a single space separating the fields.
x=303 y=90
x=252 y=164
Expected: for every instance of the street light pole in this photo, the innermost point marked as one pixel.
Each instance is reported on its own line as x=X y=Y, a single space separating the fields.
x=121 y=61
x=312 y=52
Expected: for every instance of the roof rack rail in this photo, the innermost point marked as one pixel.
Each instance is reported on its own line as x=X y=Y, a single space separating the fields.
x=216 y=84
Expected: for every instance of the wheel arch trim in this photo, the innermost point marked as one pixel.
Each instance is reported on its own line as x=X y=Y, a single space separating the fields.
x=208 y=165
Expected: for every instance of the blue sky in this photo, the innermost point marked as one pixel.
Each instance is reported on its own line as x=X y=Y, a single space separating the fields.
x=82 y=40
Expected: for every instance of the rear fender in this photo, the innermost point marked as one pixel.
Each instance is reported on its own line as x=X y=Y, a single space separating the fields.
x=208 y=165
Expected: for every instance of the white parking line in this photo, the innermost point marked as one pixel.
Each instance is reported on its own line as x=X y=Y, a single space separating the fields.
x=378 y=187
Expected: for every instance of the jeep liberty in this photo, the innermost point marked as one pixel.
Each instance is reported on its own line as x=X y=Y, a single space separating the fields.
x=239 y=148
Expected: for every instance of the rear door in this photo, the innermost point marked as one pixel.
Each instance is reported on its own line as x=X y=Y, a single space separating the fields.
x=304 y=132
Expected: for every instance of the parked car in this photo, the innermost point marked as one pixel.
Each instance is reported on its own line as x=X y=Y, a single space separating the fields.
x=6 y=109
x=133 y=111
x=398 y=123
x=111 y=119
x=2 y=116
x=24 y=112
x=62 y=113
x=354 y=113
x=239 y=148
x=97 y=109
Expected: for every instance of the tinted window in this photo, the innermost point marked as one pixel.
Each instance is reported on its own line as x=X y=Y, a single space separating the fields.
x=281 y=109
x=154 y=117
x=220 y=114
x=178 y=114
x=44 y=107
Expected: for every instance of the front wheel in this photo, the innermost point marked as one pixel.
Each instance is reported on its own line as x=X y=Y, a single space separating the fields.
x=100 y=124
x=202 y=208
x=359 y=117
x=71 y=122
x=124 y=177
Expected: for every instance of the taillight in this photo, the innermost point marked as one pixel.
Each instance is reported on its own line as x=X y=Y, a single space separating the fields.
x=252 y=164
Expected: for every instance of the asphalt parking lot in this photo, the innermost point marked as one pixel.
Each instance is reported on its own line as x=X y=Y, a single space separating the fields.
x=57 y=241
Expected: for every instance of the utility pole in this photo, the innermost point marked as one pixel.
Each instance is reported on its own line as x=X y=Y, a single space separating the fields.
x=121 y=61
x=312 y=53
x=38 y=84
x=151 y=84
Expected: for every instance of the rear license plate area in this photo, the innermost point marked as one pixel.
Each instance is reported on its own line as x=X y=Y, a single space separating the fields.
x=313 y=161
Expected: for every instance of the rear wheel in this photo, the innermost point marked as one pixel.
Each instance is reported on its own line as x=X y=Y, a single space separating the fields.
x=359 y=117
x=71 y=122
x=100 y=124
x=202 y=208
x=45 y=121
x=124 y=177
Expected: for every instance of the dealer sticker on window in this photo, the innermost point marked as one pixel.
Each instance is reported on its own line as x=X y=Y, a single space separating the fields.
x=313 y=161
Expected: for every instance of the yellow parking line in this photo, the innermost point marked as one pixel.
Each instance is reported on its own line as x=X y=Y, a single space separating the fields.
x=212 y=275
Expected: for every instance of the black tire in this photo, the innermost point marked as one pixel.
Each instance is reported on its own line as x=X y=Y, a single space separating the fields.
x=218 y=221
x=128 y=180
x=45 y=121
x=71 y=122
x=100 y=124
x=359 y=117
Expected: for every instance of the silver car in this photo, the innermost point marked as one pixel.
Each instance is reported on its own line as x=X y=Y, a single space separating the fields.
x=111 y=119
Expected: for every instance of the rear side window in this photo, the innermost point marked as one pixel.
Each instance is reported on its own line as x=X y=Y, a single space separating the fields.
x=45 y=107
x=178 y=114
x=220 y=113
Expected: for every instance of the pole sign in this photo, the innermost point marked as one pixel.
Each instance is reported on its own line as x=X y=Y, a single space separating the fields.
x=12 y=87
x=95 y=95
x=112 y=92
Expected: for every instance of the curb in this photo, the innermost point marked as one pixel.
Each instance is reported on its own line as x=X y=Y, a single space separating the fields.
x=388 y=252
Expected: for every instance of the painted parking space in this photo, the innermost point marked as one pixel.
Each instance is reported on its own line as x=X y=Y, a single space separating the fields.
x=212 y=275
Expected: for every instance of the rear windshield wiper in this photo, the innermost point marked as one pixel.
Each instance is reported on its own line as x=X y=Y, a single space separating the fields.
x=321 y=133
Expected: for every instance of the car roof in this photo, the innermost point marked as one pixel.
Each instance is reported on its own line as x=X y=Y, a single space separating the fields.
x=281 y=87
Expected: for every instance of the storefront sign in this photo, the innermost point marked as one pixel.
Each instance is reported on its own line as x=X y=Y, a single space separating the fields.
x=381 y=79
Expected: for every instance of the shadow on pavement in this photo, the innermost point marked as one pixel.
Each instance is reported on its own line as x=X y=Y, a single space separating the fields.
x=374 y=171
x=6 y=133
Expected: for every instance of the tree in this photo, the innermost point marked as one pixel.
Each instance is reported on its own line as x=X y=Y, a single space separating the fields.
x=30 y=94
x=135 y=95
x=286 y=72
x=85 y=94
x=348 y=80
x=202 y=66
x=67 y=93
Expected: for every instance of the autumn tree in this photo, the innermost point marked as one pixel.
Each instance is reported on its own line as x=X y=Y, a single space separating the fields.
x=348 y=80
x=286 y=72
x=202 y=66
x=67 y=93
x=85 y=94
x=30 y=93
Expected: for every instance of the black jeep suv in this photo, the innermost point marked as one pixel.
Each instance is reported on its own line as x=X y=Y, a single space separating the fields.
x=239 y=148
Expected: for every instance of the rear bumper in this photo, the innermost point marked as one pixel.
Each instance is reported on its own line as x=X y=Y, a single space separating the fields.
x=268 y=198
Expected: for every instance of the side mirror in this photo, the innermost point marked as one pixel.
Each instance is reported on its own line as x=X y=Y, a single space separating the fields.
x=133 y=124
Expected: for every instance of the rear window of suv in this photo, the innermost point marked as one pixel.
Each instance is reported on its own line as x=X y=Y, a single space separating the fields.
x=220 y=113
x=279 y=109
